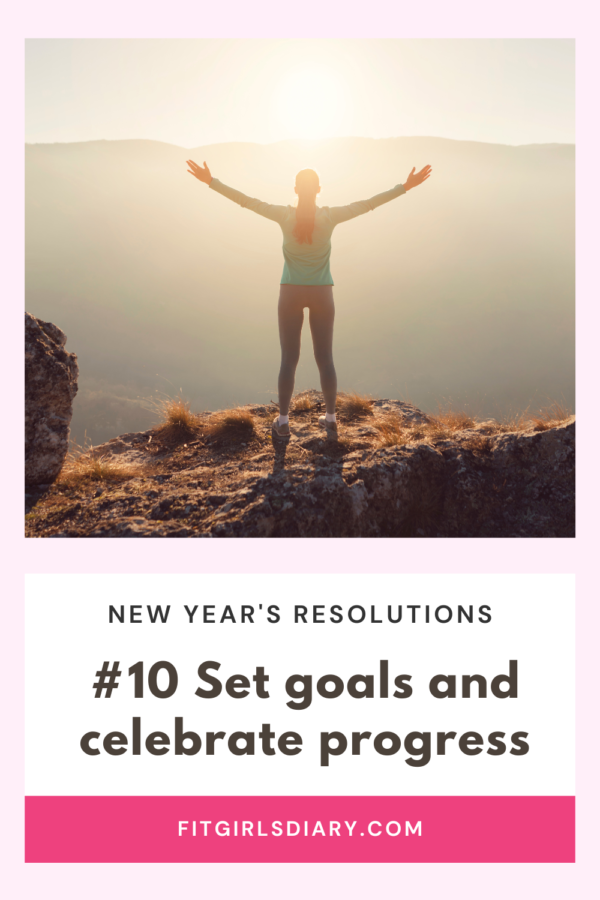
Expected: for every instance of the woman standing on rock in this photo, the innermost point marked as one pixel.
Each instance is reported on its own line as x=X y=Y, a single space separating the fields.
x=306 y=279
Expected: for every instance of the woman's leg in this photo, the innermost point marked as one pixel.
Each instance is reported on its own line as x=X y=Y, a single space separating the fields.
x=321 y=316
x=291 y=316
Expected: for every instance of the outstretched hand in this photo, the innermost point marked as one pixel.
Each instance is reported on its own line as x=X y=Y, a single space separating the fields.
x=414 y=180
x=202 y=174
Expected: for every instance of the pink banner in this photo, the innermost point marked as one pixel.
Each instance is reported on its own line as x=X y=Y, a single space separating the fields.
x=300 y=829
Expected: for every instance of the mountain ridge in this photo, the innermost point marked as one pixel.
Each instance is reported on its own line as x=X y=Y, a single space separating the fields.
x=288 y=141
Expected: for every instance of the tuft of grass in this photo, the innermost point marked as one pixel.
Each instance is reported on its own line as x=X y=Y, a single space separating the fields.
x=392 y=431
x=83 y=467
x=520 y=421
x=550 y=416
x=479 y=443
x=355 y=406
x=450 y=420
x=302 y=404
x=178 y=423
x=231 y=424
x=547 y=417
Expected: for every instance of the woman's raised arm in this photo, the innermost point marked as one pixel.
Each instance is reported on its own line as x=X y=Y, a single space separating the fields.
x=344 y=213
x=268 y=210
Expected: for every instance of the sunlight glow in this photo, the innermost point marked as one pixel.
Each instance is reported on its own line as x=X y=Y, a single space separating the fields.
x=310 y=103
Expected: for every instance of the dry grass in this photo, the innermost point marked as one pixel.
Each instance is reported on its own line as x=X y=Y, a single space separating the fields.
x=231 y=424
x=547 y=417
x=512 y=422
x=450 y=420
x=479 y=443
x=302 y=404
x=394 y=430
x=550 y=416
x=83 y=467
x=178 y=424
x=355 y=406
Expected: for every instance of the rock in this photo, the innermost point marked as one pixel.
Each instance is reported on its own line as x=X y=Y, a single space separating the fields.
x=480 y=481
x=50 y=386
x=406 y=411
x=128 y=527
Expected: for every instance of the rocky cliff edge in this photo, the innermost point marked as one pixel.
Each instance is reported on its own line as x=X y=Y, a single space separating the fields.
x=395 y=472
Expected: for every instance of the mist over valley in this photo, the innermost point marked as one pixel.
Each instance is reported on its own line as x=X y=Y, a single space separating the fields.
x=460 y=292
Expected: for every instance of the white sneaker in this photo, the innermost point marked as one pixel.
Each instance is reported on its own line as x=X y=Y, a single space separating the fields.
x=280 y=433
x=330 y=428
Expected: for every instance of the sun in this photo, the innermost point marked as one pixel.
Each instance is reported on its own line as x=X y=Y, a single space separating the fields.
x=310 y=103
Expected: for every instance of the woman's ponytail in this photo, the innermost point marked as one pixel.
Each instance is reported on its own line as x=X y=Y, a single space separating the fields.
x=307 y=188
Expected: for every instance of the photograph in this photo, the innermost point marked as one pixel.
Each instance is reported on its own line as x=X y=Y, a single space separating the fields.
x=300 y=288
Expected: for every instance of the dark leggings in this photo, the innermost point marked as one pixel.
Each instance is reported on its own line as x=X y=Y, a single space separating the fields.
x=321 y=312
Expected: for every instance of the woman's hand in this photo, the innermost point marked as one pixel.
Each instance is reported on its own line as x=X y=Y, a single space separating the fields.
x=414 y=180
x=202 y=174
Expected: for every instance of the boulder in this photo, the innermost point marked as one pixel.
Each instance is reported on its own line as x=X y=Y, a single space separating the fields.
x=50 y=387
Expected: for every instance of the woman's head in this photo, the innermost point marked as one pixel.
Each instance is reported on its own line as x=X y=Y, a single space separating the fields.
x=307 y=187
x=307 y=183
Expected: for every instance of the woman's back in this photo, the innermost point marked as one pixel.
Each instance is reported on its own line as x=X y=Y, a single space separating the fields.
x=307 y=263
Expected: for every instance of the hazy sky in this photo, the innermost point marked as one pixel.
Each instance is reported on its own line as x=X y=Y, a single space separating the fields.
x=194 y=92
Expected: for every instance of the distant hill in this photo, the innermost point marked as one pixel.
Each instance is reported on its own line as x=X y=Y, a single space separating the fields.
x=462 y=290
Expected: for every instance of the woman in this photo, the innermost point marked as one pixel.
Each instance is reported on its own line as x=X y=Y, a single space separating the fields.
x=306 y=279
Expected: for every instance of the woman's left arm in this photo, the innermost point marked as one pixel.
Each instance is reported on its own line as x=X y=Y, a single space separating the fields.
x=344 y=213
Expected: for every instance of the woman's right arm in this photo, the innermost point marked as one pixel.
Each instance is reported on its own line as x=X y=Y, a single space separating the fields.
x=268 y=210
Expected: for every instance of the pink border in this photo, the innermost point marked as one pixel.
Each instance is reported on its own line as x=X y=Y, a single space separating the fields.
x=282 y=555
x=117 y=18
